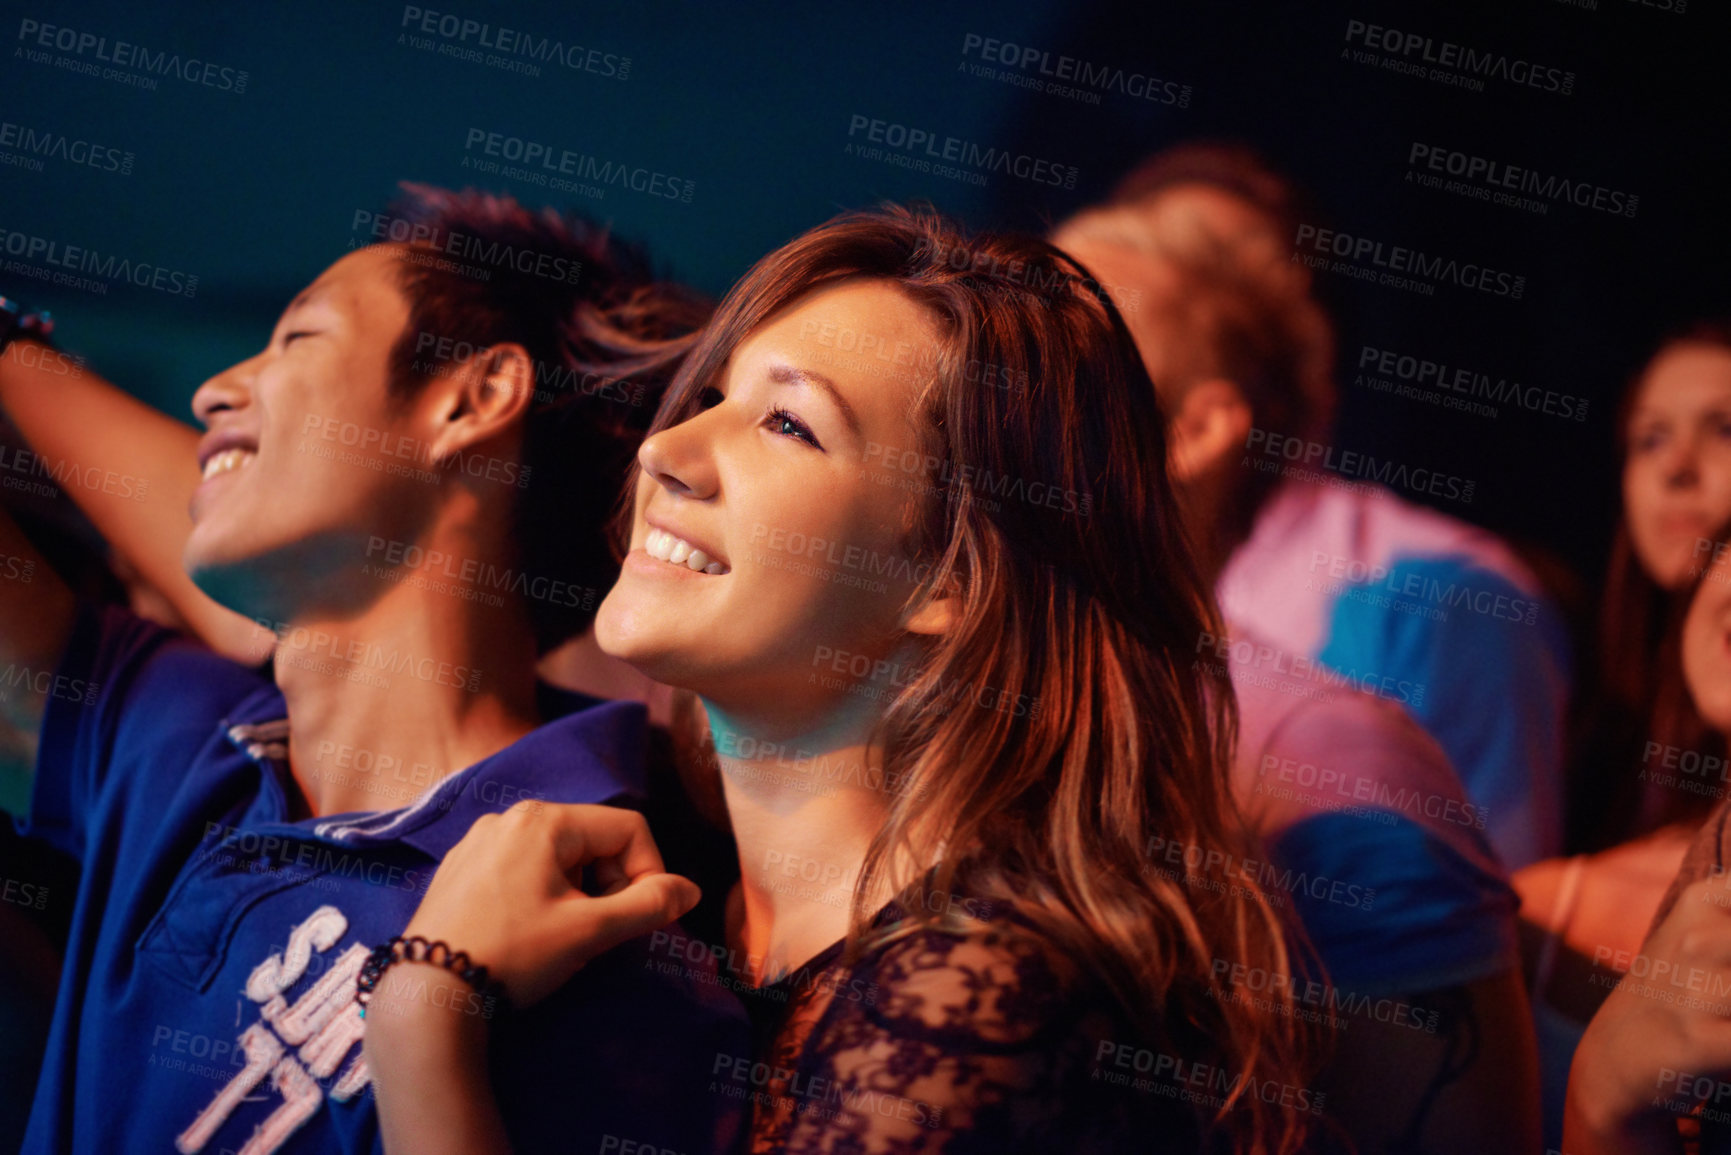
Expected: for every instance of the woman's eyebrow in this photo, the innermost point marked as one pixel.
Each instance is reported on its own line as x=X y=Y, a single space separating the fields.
x=791 y=375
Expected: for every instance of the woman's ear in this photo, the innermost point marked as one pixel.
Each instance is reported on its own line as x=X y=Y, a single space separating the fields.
x=934 y=616
x=485 y=396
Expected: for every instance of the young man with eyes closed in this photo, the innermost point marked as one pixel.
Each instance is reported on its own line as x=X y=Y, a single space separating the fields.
x=245 y=841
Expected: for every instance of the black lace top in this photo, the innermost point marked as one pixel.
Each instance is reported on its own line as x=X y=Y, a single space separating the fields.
x=953 y=1042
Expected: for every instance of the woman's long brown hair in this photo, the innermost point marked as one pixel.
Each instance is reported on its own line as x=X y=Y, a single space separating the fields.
x=1076 y=591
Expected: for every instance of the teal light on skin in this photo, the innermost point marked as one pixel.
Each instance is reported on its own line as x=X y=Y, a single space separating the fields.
x=849 y=725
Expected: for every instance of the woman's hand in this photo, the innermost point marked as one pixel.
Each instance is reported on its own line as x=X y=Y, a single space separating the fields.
x=1662 y=1037
x=507 y=893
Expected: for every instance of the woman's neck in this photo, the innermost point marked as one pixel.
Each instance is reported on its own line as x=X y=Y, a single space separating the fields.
x=803 y=813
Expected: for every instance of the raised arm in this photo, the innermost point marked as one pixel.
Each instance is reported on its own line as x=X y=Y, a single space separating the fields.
x=131 y=470
x=36 y=610
x=1662 y=1039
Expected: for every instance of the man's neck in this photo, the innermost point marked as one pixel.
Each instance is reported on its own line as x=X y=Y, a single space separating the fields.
x=385 y=703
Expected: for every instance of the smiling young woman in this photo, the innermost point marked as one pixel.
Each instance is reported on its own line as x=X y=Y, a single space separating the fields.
x=990 y=946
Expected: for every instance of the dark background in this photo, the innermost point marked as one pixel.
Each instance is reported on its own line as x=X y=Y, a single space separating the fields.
x=255 y=192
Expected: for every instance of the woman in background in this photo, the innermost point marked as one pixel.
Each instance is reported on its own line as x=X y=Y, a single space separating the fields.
x=1652 y=767
x=1660 y=1046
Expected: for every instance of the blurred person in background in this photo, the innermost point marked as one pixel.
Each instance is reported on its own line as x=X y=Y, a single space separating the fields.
x=1350 y=575
x=1647 y=768
x=1402 y=898
x=1653 y=1067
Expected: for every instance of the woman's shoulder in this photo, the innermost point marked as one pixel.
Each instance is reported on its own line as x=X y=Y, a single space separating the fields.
x=996 y=982
x=979 y=1031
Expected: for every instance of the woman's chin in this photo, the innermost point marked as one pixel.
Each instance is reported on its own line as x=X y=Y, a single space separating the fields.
x=629 y=636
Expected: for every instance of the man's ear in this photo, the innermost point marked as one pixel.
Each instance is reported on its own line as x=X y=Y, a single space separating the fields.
x=487 y=395
x=1211 y=423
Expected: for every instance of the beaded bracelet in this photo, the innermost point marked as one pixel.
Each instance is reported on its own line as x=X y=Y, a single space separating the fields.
x=414 y=948
x=16 y=323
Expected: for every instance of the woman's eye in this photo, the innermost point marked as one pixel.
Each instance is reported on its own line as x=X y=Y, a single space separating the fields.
x=787 y=425
x=1646 y=440
x=290 y=338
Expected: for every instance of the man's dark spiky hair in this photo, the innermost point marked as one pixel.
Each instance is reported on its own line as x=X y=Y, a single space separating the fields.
x=605 y=336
